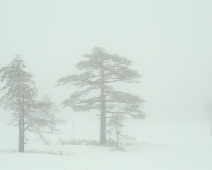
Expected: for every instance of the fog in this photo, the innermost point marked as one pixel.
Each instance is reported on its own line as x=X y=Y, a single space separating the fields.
x=168 y=42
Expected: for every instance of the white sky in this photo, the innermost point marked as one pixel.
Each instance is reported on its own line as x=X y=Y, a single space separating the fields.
x=169 y=42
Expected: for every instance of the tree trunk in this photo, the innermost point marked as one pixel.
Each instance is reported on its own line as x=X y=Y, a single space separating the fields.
x=117 y=138
x=21 y=127
x=103 y=107
x=23 y=121
x=73 y=127
x=52 y=124
x=103 y=120
x=20 y=134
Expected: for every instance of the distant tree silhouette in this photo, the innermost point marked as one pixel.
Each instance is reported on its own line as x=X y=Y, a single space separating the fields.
x=100 y=71
x=20 y=99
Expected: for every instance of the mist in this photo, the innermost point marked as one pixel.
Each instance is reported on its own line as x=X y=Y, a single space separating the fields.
x=168 y=42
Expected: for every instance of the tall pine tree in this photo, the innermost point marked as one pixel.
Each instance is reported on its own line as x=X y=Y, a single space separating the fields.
x=100 y=71
x=20 y=98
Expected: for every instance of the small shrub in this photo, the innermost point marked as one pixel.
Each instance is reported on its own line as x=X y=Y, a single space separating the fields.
x=46 y=152
x=77 y=142
x=9 y=151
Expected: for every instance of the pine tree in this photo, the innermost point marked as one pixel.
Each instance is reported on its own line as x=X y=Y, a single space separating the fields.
x=116 y=124
x=123 y=107
x=48 y=113
x=101 y=70
x=20 y=98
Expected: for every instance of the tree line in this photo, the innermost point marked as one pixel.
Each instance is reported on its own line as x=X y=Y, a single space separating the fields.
x=99 y=72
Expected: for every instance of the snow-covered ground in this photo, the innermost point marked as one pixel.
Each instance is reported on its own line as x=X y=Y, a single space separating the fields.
x=160 y=144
